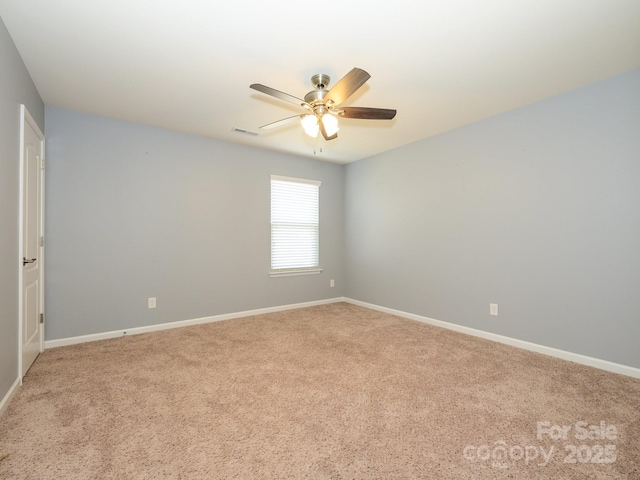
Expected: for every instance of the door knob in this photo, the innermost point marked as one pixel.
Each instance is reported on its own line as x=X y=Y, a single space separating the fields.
x=27 y=260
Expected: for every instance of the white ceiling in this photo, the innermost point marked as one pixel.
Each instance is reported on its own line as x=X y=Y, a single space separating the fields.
x=187 y=65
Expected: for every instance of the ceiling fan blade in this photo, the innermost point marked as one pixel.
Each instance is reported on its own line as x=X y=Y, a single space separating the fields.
x=324 y=132
x=281 y=122
x=278 y=94
x=367 y=113
x=347 y=86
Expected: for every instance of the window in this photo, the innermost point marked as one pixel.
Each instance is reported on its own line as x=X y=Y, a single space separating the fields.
x=295 y=235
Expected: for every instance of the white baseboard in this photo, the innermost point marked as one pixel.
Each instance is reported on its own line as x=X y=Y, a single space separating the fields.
x=61 y=342
x=7 y=398
x=553 y=352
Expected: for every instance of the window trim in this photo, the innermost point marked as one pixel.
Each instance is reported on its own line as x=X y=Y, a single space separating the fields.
x=292 y=272
x=288 y=272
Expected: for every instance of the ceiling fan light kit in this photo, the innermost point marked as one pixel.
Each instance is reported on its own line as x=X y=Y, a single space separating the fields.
x=311 y=124
x=322 y=105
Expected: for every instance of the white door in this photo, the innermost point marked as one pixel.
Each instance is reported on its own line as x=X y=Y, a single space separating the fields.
x=31 y=263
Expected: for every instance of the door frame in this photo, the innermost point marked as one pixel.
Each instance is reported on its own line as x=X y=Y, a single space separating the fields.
x=26 y=118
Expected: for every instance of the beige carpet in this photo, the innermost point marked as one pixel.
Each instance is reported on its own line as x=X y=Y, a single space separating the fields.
x=328 y=392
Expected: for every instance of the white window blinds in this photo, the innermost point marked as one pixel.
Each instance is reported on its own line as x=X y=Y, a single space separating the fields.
x=294 y=226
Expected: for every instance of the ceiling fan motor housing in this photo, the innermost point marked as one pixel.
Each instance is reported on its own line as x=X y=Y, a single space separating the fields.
x=320 y=82
x=316 y=97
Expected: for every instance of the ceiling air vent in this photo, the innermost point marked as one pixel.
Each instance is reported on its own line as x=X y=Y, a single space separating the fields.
x=245 y=132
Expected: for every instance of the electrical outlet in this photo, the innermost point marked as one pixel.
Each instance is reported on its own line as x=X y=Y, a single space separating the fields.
x=152 y=302
x=493 y=309
x=332 y=283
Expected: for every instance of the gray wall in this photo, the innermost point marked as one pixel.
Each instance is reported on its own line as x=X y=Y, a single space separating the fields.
x=16 y=87
x=537 y=209
x=135 y=212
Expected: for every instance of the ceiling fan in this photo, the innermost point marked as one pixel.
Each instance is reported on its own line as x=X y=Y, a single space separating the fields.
x=323 y=106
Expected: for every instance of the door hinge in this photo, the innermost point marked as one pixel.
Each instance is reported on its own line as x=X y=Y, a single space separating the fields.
x=42 y=241
x=42 y=164
x=42 y=318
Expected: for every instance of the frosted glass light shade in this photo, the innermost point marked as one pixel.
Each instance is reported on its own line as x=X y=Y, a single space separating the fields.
x=310 y=125
x=330 y=124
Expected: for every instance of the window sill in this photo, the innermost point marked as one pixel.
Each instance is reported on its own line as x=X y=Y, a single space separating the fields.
x=292 y=272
